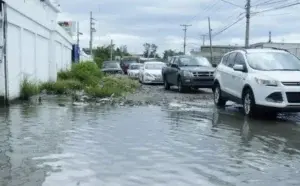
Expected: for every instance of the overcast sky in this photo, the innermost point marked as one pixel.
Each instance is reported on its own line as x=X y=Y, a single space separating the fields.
x=134 y=22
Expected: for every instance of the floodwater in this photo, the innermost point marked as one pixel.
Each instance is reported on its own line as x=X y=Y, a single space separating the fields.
x=179 y=144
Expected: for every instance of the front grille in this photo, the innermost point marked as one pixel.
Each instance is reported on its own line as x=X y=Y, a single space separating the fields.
x=203 y=74
x=293 y=97
x=291 y=83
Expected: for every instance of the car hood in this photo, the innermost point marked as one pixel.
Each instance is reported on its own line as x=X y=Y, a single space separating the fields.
x=288 y=76
x=198 y=69
x=154 y=72
x=110 y=69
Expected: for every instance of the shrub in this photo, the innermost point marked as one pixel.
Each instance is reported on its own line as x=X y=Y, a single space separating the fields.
x=28 y=89
x=87 y=72
x=65 y=75
x=112 y=85
x=62 y=86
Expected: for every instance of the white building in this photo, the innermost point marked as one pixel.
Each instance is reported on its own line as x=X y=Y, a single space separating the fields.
x=36 y=46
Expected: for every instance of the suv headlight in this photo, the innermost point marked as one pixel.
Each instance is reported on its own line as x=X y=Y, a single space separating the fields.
x=188 y=74
x=267 y=82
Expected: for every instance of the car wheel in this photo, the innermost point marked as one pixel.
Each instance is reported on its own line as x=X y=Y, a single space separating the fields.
x=249 y=105
x=181 y=88
x=166 y=84
x=218 y=98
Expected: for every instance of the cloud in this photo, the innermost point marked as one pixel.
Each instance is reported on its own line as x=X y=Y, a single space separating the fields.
x=134 y=22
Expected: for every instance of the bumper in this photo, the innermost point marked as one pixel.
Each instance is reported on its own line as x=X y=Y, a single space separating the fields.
x=288 y=102
x=204 y=82
x=157 y=80
x=132 y=75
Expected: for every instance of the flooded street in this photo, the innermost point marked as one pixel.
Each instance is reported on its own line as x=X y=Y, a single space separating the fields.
x=185 y=141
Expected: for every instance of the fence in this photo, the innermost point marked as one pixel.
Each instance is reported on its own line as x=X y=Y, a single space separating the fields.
x=36 y=46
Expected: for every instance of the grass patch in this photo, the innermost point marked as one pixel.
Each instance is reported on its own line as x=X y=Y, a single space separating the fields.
x=62 y=86
x=28 y=89
x=82 y=76
x=112 y=85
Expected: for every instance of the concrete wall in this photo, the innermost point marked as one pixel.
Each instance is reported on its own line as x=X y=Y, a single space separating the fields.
x=37 y=47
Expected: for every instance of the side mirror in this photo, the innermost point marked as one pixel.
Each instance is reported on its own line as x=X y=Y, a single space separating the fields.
x=174 y=65
x=237 y=67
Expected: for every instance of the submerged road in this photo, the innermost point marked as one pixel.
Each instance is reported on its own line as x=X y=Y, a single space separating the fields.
x=177 y=139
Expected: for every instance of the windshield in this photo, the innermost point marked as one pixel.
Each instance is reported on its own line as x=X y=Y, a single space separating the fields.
x=155 y=66
x=111 y=65
x=204 y=61
x=193 y=61
x=270 y=61
x=135 y=67
x=128 y=62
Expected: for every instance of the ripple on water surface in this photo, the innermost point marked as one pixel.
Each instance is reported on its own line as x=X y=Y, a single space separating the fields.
x=183 y=144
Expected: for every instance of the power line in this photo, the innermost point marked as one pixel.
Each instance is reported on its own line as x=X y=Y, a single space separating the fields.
x=228 y=26
x=277 y=8
x=269 y=2
x=205 y=9
x=228 y=2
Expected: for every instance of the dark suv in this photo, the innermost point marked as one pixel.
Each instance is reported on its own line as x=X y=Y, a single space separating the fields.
x=125 y=64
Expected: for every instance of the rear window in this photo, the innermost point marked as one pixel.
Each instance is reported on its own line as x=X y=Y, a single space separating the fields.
x=134 y=67
x=111 y=65
x=128 y=62
x=225 y=59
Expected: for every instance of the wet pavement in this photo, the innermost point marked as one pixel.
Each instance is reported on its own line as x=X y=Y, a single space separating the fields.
x=184 y=141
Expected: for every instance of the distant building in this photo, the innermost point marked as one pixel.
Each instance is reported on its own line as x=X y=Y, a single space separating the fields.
x=217 y=52
x=294 y=48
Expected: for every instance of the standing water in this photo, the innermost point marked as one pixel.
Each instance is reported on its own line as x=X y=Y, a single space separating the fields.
x=50 y=145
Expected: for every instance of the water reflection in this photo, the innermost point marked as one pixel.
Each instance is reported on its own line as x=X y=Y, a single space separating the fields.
x=52 y=145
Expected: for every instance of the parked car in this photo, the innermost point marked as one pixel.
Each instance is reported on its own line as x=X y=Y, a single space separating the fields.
x=133 y=70
x=259 y=78
x=125 y=64
x=151 y=72
x=112 y=67
x=188 y=72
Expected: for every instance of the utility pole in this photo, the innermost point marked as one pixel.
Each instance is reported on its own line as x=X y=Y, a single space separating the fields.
x=111 y=50
x=92 y=30
x=247 y=24
x=184 y=38
x=210 y=42
x=78 y=34
x=203 y=39
x=270 y=37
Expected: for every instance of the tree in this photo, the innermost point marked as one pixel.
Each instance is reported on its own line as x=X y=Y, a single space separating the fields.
x=150 y=50
x=170 y=53
x=103 y=54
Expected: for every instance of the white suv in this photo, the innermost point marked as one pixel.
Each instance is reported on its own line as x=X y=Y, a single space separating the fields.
x=259 y=78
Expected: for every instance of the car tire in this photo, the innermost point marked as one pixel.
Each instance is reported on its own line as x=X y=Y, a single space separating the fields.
x=249 y=105
x=218 y=98
x=181 y=88
x=166 y=84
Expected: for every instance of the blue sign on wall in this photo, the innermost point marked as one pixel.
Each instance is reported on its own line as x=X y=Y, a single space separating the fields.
x=75 y=53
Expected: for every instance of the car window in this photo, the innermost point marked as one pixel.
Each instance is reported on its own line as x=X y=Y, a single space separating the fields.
x=230 y=61
x=135 y=66
x=225 y=59
x=273 y=61
x=154 y=66
x=176 y=61
x=239 y=59
x=111 y=65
